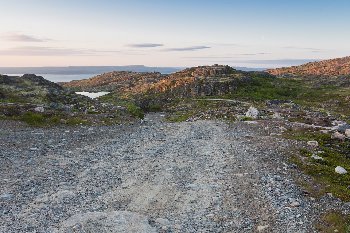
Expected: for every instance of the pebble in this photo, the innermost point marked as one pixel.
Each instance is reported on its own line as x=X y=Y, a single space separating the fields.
x=6 y=196
x=313 y=143
x=295 y=204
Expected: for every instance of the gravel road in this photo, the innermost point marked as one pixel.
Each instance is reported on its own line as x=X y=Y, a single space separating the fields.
x=202 y=176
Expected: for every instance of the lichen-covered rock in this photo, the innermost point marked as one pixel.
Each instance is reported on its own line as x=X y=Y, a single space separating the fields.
x=340 y=170
x=252 y=113
x=338 y=136
x=347 y=133
x=312 y=143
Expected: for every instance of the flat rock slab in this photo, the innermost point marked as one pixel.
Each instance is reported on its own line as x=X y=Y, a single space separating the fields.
x=103 y=222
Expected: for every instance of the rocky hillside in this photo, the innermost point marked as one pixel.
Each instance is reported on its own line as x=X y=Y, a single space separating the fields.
x=36 y=90
x=114 y=81
x=196 y=81
x=333 y=67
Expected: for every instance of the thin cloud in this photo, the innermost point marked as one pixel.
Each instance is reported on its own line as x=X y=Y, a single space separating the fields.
x=253 y=54
x=231 y=56
x=51 y=51
x=226 y=44
x=18 y=37
x=145 y=45
x=192 y=48
x=281 y=61
x=302 y=48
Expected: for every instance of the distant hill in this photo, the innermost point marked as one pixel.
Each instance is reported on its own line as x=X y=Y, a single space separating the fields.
x=332 y=67
x=154 y=88
x=119 y=81
x=36 y=90
x=71 y=70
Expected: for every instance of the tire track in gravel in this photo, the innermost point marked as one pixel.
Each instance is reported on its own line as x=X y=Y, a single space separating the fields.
x=202 y=176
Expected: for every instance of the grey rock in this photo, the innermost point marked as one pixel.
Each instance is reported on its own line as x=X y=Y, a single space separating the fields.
x=313 y=144
x=338 y=136
x=347 y=133
x=252 y=112
x=39 y=109
x=340 y=170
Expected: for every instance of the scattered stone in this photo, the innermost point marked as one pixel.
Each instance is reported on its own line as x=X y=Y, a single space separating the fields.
x=340 y=170
x=252 y=112
x=338 y=136
x=6 y=196
x=39 y=109
x=313 y=143
x=316 y=157
x=295 y=204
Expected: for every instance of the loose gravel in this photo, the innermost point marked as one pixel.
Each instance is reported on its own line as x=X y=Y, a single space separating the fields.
x=156 y=176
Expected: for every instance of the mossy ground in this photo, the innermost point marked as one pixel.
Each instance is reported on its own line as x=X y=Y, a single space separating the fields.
x=333 y=221
x=324 y=178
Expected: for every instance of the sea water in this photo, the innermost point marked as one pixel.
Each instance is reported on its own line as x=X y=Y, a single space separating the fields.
x=61 y=77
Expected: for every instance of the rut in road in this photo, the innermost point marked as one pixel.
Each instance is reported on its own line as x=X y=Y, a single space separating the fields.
x=202 y=176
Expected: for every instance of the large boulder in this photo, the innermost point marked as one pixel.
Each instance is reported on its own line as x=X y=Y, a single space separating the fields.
x=340 y=170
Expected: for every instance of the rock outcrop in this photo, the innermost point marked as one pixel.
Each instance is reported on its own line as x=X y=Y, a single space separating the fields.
x=32 y=89
x=121 y=81
x=332 y=67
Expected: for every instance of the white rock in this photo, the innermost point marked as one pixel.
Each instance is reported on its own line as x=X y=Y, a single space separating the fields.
x=340 y=170
x=316 y=157
x=252 y=112
x=39 y=109
x=313 y=143
x=294 y=204
x=338 y=136
x=347 y=133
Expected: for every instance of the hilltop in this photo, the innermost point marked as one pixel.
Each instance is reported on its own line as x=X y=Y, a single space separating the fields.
x=37 y=101
x=332 y=67
x=30 y=88
x=196 y=81
x=119 y=81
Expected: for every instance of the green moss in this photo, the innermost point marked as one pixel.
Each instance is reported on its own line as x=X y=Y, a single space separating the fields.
x=135 y=110
x=179 y=116
x=325 y=179
x=37 y=119
x=245 y=118
x=34 y=119
x=334 y=222
x=154 y=108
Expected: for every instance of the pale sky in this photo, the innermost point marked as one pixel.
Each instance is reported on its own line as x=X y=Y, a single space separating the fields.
x=181 y=33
